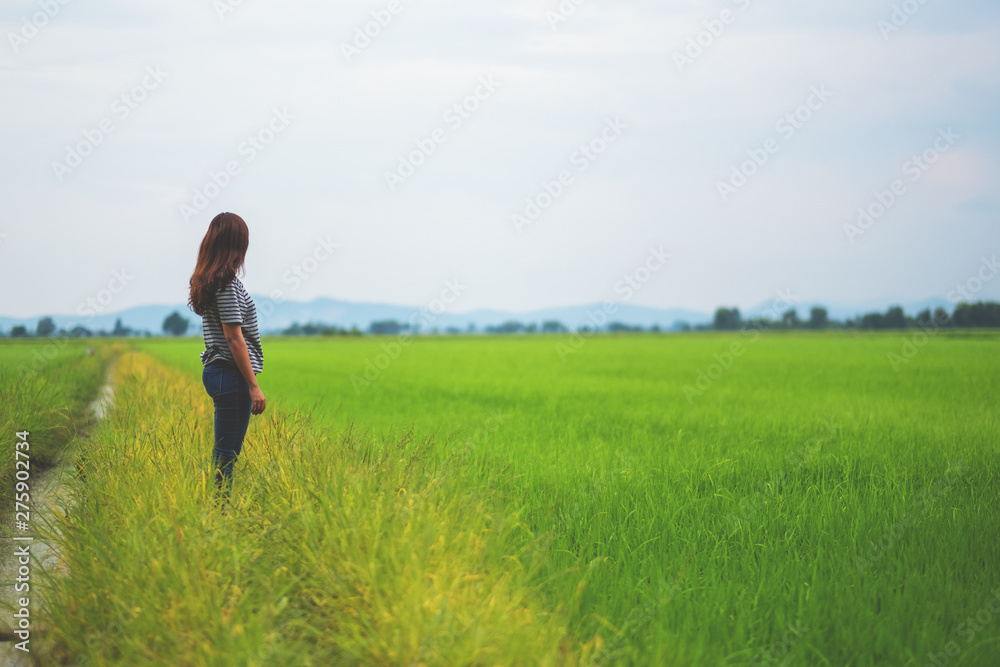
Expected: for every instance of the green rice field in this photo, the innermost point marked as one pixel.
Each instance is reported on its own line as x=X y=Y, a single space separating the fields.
x=812 y=499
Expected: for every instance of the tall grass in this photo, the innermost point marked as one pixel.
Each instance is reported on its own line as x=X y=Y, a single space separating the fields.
x=338 y=548
x=44 y=389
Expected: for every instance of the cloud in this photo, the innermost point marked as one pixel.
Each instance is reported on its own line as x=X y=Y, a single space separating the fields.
x=353 y=120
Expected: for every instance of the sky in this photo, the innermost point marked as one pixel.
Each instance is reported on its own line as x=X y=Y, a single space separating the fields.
x=534 y=153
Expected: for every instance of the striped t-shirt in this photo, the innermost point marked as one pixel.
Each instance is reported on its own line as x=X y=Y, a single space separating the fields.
x=233 y=305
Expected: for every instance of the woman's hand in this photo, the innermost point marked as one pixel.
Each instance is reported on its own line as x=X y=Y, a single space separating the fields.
x=259 y=402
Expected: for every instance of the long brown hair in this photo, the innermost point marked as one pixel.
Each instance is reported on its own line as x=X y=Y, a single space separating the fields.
x=222 y=253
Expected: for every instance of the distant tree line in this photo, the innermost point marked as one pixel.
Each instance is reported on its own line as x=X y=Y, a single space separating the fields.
x=982 y=314
x=173 y=325
x=316 y=329
x=978 y=315
x=46 y=328
x=727 y=319
x=965 y=315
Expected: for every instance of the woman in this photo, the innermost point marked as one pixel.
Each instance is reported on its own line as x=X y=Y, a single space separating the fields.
x=233 y=355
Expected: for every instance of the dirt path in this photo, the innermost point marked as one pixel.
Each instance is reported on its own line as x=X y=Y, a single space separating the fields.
x=49 y=493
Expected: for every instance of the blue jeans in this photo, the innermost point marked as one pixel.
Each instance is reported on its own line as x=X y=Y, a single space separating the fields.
x=231 y=394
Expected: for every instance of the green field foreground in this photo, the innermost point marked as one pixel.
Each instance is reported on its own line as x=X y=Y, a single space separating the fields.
x=502 y=501
x=811 y=485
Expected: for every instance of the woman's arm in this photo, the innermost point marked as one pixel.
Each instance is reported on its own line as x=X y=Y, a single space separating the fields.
x=238 y=346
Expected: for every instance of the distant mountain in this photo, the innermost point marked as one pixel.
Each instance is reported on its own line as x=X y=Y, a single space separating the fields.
x=275 y=316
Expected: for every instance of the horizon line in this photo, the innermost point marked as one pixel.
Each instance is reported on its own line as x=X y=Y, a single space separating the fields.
x=259 y=299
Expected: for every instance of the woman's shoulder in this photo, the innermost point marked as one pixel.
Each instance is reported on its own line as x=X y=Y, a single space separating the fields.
x=238 y=285
x=230 y=293
x=234 y=285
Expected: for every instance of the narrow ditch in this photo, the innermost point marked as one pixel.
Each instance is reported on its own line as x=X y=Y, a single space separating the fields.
x=50 y=495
